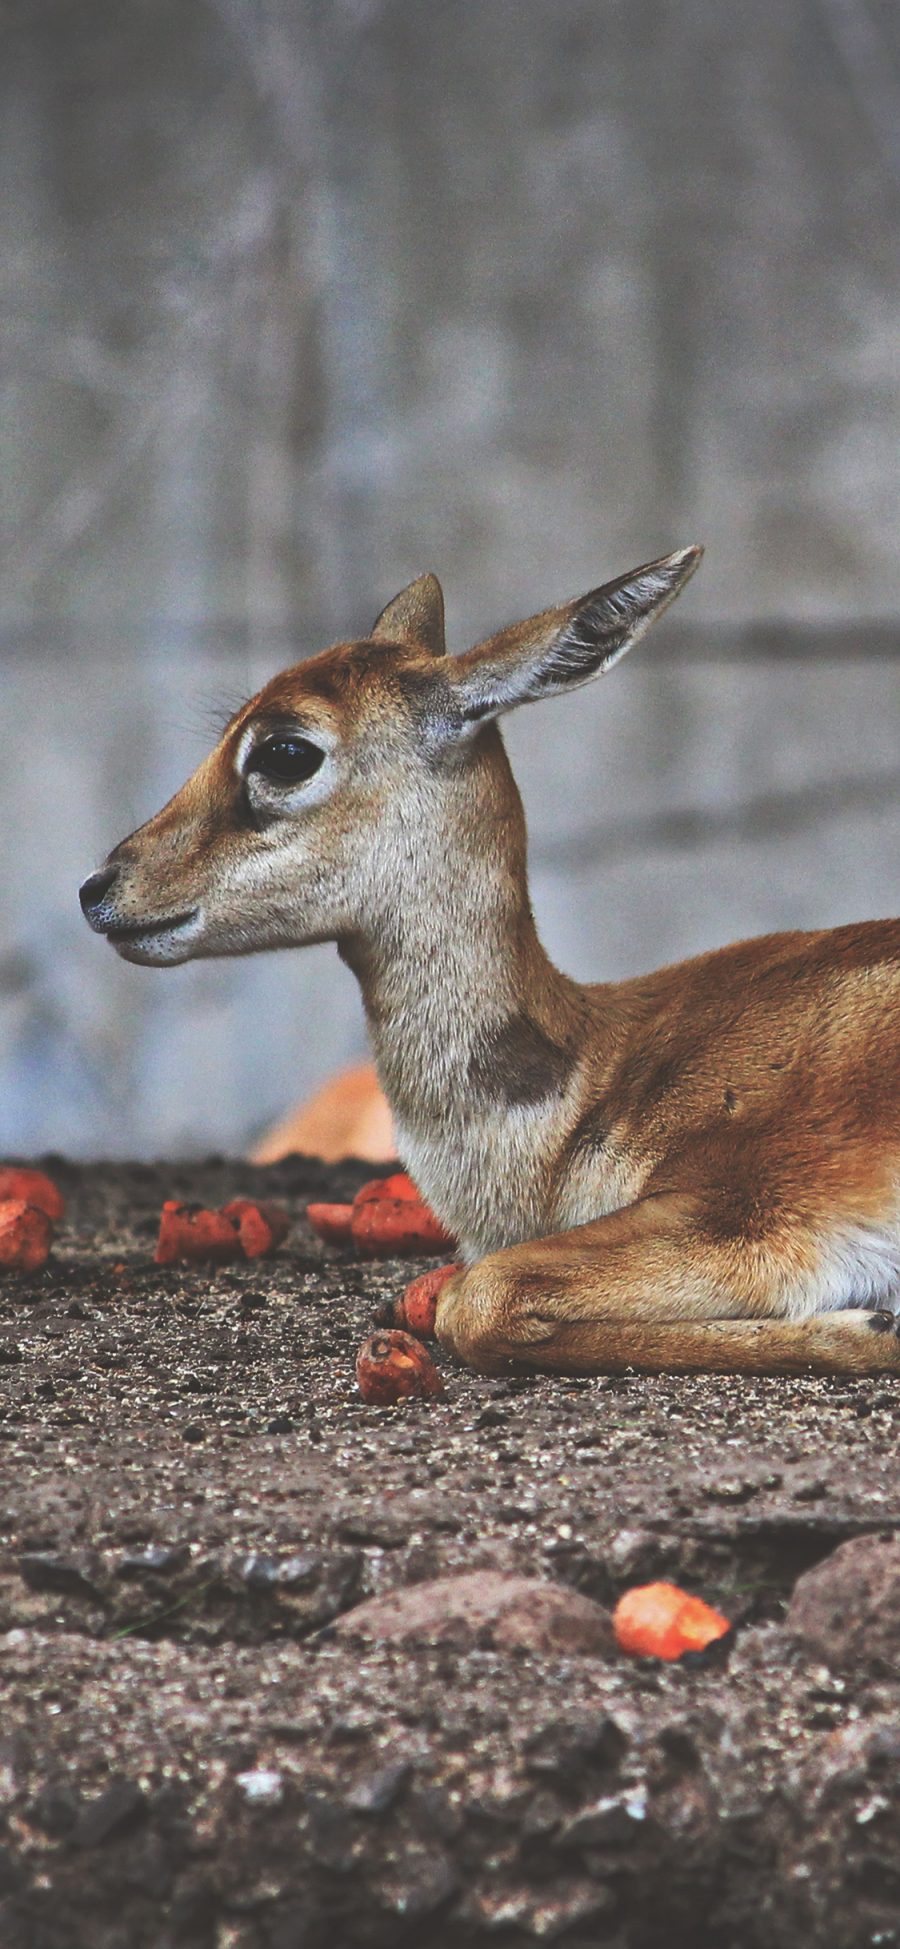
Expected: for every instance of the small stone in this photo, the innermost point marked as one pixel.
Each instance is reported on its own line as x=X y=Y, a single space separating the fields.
x=679 y=1745
x=541 y=1817
x=846 y=1609
x=300 y=1572
x=611 y=1822
x=193 y=1432
x=259 y=1572
x=252 y=1302
x=488 y=1608
x=386 y=1532
x=157 y=1560
x=287 y=1573
x=558 y=1750
x=436 y=1813
x=377 y=1793
x=810 y=1491
x=633 y=1554
x=544 y=1915
x=733 y=1489
x=313 y=1586
x=41 y=1570
x=116 y=1810
x=54 y=1810
x=332 y=1832
x=417 y=1884
x=262 y=1786
x=492 y=1417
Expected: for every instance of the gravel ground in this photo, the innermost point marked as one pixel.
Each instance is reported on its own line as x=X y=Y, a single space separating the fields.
x=192 y=1492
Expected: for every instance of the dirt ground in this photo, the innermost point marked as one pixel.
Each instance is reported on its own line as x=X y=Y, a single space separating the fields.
x=192 y=1492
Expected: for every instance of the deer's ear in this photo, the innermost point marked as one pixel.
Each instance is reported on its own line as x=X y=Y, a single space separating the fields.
x=415 y=616
x=562 y=648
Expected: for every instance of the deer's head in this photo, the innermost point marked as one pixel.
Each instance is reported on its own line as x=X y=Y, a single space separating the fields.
x=349 y=773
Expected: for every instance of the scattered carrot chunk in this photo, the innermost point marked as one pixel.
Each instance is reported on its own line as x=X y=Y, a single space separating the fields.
x=242 y=1229
x=188 y=1232
x=394 y=1367
x=387 y=1219
x=261 y=1228
x=395 y=1228
x=415 y=1310
x=661 y=1621
x=26 y=1235
x=33 y=1187
x=331 y=1222
x=398 y=1185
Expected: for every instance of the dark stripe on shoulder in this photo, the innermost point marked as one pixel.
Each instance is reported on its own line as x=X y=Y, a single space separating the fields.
x=519 y=1063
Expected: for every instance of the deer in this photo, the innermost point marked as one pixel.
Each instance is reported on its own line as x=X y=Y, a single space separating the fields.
x=691 y=1171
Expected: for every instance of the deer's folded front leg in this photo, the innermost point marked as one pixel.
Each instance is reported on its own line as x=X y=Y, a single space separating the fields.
x=644 y=1288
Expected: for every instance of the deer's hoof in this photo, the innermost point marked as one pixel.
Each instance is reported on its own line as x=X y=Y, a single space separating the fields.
x=883 y=1321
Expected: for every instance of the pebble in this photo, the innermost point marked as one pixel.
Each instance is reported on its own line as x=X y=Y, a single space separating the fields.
x=262 y=1786
x=386 y=1532
x=378 y=1792
x=120 y=1807
x=158 y=1560
x=420 y=1883
x=42 y=1571
x=287 y=1573
x=561 y=1748
x=611 y=1822
x=54 y=1810
x=332 y=1832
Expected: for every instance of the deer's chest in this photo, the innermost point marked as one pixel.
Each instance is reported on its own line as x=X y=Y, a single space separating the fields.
x=488 y=1183
x=494 y=1182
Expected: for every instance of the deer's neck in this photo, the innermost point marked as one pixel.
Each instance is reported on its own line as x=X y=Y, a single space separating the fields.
x=477 y=1036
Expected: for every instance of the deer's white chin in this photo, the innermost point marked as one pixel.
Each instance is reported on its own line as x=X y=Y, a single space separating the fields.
x=162 y=945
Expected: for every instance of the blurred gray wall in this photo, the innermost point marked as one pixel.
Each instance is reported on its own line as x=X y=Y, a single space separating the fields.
x=299 y=299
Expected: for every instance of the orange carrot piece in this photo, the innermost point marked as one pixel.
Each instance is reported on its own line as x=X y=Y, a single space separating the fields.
x=661 y=1621
x=190 y=1233
x=398 y=1185
x=331 y=1222
x=394 y=1367
x=26 y=1235
x=415 y=1310
x=261 y=1227
x=33 y=1187
x=397 y=1228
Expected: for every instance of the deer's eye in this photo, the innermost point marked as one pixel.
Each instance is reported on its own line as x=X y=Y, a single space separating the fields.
x=286 y=760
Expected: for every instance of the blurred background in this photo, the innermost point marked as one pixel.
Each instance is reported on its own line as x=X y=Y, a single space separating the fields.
x=302 y=297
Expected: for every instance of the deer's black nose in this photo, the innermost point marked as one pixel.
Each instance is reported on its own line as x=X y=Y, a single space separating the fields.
x=95 y=889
